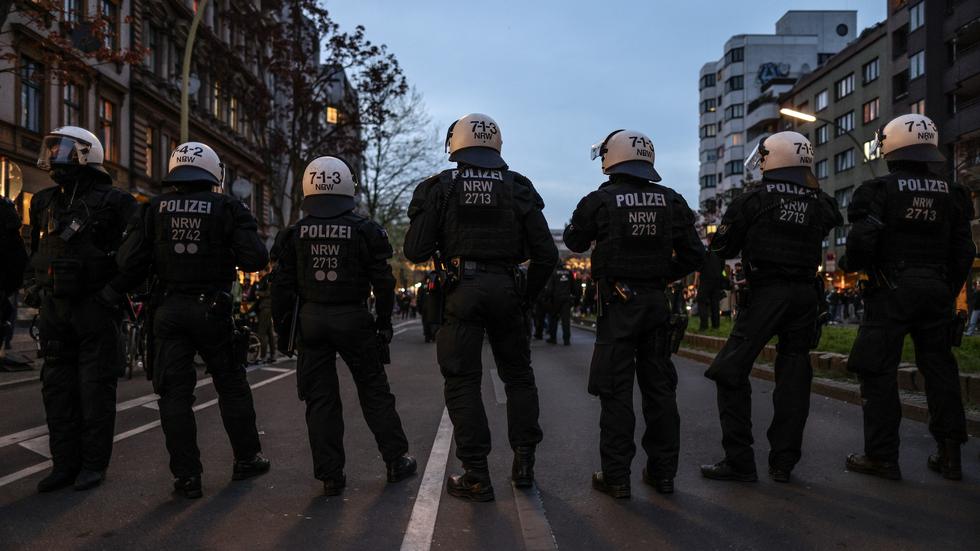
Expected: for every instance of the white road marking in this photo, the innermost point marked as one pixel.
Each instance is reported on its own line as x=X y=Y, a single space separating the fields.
x=535 y=528
x=152 y=405
x=38 y=445
x=276 y=369
x=13 y=477
x=499 y=391
x=418 y=535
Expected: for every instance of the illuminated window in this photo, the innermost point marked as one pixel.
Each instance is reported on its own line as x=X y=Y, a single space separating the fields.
x=108 y=123
x=870 y=111
x=821 y=100
x=148 y=152
x=216 y=99
x=331 y=115
x=71 y=106
x=917 y=16
x=233 y=113
x=919 y=107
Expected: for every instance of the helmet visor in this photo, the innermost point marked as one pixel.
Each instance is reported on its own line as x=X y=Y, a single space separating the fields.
x=61 y=150
x=876 y=144
x=754 y=160
x=597 y=150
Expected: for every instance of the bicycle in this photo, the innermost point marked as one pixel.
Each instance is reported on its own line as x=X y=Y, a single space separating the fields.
x=133 y=329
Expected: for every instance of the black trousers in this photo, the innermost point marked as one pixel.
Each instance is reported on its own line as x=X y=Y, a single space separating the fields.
x=560 y=310
x=78 y=381
x=182 y=326
x=540 y=312
x=631 y=342
x=709 y=307
x=486 y=303
x=788 y=310
x=349 y=330
x=920 y=307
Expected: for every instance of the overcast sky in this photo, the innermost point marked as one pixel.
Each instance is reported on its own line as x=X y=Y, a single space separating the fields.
x=558 y=76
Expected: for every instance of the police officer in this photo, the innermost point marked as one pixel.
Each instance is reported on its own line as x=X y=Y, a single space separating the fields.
x=191 y=239
x=910 y=233
x=778 y=227
x=14 y=257
x=331 y=260
x=563 y=290
x=644 y=238
x=483 y=220
x=76 y=229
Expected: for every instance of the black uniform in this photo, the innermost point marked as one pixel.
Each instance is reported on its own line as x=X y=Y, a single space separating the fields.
x=332 y=264
x=563 y=290
x=76 y=230
x=484 y=222
x=911 y=232
x=709 y=290
x=778 y=227
x=192 y=240
x=644 y=238
x=14 y=257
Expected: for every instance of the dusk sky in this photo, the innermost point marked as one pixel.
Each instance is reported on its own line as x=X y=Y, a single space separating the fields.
x=558 y=76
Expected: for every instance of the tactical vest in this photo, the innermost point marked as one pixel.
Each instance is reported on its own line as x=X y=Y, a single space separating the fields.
x=788 y=230
x=917 y=214
x=638 y=244
x=480 y=221
x=192 y=241
x=328 y=260
x=562 y=281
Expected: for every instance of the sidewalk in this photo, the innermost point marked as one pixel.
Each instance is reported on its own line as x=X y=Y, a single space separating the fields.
x=22 y=348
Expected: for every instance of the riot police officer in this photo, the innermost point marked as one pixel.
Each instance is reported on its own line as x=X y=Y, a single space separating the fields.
x=330 y=261
x=483 y=220
x=910 y=233
x=191 y=239
x=644 y=238
x=76 y=229
x=778 y=227
x=563 y=290
x=14 y=257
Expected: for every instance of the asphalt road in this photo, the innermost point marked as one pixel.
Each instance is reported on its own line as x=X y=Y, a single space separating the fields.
x=824 y=507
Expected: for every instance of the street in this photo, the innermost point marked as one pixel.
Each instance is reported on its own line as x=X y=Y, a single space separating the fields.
x=824 y=506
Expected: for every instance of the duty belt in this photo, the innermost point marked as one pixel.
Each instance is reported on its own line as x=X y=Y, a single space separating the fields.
x=473 y=266
x=645 y=286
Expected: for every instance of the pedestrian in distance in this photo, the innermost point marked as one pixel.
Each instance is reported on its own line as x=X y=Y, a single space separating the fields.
x=778 y=228
x=191 y=239
x=710 y=290
x=327 y=264
x=562 y=291
x=644 y=238
x=910 y=233
x=14 y=257
x=480 y=221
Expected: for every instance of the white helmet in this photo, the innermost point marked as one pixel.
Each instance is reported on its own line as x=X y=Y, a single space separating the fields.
x=195 y=162
x=329 y=186
x=909 y=138
x=788 y=152
x=475 y=140
x=71 y=146
x=627 y=152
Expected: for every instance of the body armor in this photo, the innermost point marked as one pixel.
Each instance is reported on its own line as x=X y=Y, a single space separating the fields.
x=480 y=218
x=788 y=230
x=638 y=244
x=192 y=241
x=328 y=260
x=917 y=213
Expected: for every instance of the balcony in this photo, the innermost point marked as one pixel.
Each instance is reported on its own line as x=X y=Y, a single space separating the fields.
x=762 y=114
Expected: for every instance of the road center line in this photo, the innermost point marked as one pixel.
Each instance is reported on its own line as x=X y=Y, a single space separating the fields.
x=418 y=535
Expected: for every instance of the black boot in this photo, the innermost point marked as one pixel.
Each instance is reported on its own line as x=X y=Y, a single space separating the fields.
x=334 y=486
x=188 y=486
x=779 y=474
x=473 y=484
x=946 y=461
x=868 y=465
x=617 y=489
x=662 y=485
x=401 y=468
x=56 y=481
x=247 y=468
x=723 y=470
x=88 y=479
x=522 y=471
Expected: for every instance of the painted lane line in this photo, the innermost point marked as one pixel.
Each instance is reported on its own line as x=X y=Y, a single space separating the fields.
x=276 y=369
x=418 y=535
x=535 y=528
x=38 y=445
x=23 y=435
x=129 y=433
x=403 y=324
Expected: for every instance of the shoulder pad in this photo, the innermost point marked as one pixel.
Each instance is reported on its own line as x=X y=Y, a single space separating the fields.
x=521 y=179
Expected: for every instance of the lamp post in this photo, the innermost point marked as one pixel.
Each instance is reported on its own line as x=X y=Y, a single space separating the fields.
x=186 y=70
x=806 y=117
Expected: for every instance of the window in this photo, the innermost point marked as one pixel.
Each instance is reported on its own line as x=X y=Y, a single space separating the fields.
x=71 y=105
x=31 y=94
x=821 y=100
x=823 y=134
x=707 y=81
x=733 y=167
x=735 y=139
x=152 y=44
x=917 y=16
x=843 y=197
x=844 y=123
x=707 y=106
x=820 y=169
x=734 y=111
x=233 y=113
x=870 y=154
x=707 y=131
x=844 y=160
x=844 y=87
x=332 y=115
x=840 y=235
x=870 y=71
x=216 y=99
x=108 y=124
x=870 y=111
x=73 y=11
x=917 y=64
x=110 y=14
x=919 y=107
x=734 y=83
x=734 y=55
x=708 y=181
x=148 y=152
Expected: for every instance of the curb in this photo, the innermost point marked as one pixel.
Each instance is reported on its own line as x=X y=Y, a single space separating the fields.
x=913 y=404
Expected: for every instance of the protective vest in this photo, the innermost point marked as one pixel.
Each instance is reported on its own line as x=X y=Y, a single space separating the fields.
x=192 y=238
x=789 y=229
x=561 y=283
x=329 y=264
x=637 y=244
x=480 y=221
x=78 y=239
x=917 y=215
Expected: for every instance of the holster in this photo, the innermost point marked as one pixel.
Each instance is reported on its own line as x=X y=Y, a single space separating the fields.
x=677 y=330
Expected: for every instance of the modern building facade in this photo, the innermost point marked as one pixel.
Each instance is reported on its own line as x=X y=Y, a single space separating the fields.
x=739 y=95
x=850 y=97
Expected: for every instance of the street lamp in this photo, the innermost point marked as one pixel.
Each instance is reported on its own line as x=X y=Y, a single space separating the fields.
x=806 y=117
x=186 y=69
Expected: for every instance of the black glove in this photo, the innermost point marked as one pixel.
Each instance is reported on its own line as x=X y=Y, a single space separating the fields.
x=109 y=298
x=384 y=330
